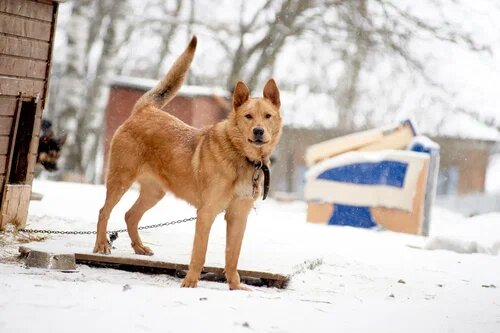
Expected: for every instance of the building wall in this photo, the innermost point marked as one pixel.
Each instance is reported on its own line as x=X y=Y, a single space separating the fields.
x=26 y=39
x=468 y=157
x=197 y=111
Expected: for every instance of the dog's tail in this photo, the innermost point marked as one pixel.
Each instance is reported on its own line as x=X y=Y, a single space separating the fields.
x=166 y=89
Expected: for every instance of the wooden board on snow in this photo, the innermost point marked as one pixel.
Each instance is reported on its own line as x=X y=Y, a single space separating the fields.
x=256 y=269
x=138 y=263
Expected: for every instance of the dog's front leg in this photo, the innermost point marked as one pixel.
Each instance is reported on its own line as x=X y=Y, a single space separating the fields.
x=236 y=218
x=205 y=219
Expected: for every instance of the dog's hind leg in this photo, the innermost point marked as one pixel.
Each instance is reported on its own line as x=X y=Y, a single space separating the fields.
x=116 y=186
x=149 y=196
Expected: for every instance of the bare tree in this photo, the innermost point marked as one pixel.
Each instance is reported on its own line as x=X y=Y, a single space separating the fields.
x=81 y=94
x=356 y=34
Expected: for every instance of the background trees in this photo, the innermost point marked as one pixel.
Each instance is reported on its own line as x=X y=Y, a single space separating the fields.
x=377 y=60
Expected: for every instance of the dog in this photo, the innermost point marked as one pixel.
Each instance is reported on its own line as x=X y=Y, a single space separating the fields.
x=219 y=168
x=49 y=146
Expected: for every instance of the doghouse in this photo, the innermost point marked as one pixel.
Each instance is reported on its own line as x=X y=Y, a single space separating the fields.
x=385 y=177
x=26 y=40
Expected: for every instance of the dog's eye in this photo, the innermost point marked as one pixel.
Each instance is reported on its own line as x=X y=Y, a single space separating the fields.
x=268 y=116
x=248 y=116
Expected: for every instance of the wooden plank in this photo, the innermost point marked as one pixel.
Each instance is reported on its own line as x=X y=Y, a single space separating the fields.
x=23 y=27
x=49 y=2
x=5 y=125
x=3 y=161
x=34 y=142
x=31 y=164
x=29 y=180
x=26 y=48
x=38 y=120
x=398 y=139
x=8 y=105
x=12 y=135
x=27 y=9
x=15 y=204
x=53 y=25
x=2 y=182
x=4 y=144
x=12 y=86
x=375 y=139
x=279 y=280
x=22 y=67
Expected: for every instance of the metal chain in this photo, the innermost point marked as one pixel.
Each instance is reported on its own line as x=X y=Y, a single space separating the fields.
x=67 y=232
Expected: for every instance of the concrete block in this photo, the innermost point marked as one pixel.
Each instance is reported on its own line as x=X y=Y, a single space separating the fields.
x=47 y=260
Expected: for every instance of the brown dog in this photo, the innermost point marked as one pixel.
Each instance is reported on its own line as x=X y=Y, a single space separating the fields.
x=217 y=168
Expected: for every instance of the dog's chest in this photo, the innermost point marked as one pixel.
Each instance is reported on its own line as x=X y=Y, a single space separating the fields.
x=248 y=184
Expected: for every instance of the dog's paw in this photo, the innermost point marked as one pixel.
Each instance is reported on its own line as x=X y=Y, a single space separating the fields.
x=240 y=286
x=102 y=248
x=143 y=250
x=189 y=282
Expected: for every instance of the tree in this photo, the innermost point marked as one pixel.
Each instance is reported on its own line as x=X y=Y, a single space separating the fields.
x=95 y=27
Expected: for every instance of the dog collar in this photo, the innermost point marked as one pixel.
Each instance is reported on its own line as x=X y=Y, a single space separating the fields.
x=259 y=165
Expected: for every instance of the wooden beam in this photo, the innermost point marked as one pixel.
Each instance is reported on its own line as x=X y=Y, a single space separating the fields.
x=275 y=280
x=53 y=25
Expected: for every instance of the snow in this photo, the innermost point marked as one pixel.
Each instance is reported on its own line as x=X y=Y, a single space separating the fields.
x=478 y=234
x=366 y=280
x=186 y=90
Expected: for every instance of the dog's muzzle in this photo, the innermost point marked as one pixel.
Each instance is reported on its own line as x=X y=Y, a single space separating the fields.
x=258 y=136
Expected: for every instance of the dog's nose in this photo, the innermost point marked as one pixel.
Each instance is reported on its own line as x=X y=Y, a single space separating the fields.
x=258 y=131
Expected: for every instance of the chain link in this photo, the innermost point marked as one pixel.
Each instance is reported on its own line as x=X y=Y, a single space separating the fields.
x=87 y=232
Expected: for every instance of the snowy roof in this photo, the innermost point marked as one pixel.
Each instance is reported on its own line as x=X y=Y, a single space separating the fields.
x=186 y=90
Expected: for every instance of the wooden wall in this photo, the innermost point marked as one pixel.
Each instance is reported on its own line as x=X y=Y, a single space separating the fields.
x=26 y=36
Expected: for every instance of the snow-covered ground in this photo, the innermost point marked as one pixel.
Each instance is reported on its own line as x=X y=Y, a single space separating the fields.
x=366 y=280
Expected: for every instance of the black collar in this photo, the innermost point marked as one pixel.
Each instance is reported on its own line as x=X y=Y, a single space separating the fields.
x=259 y=165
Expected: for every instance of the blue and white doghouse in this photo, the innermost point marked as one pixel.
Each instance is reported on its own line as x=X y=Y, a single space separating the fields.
x=390 y=188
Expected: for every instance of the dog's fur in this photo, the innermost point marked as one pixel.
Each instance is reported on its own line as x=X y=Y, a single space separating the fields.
x=210 y=168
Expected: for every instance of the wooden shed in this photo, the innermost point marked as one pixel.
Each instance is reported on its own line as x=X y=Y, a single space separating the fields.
x=26 y=40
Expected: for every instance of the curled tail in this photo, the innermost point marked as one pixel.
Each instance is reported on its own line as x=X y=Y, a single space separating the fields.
x=166 y=89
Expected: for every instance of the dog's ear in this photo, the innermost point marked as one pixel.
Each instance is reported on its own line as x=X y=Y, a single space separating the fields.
x=272 y=93
x=240 y=94
x=63 y=138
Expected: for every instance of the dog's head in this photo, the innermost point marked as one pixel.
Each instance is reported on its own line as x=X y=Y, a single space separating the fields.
x=49 y=147
x=256 y=122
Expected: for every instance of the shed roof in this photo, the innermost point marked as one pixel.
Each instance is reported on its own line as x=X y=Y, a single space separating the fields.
x=186 y=90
